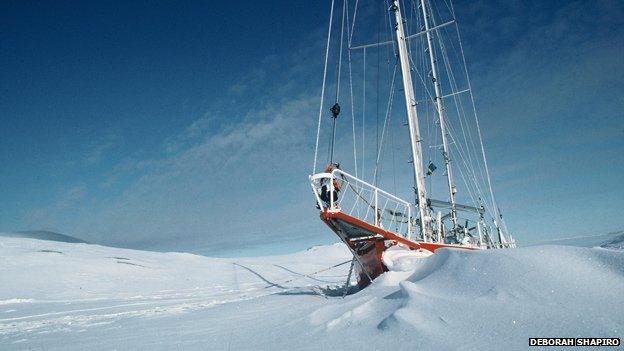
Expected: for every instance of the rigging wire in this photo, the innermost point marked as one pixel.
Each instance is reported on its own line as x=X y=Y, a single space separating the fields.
x=390 y=35
x=349 y=35
x=377 y=95
x=463 y=154
x=353 y=24
x=392 y=152
x=320 y=114
x=363 y=113
x=476 y=118
x=335 y=110
x=458 y=105
x=339 y=63
x=389 y=53
x=386 y=120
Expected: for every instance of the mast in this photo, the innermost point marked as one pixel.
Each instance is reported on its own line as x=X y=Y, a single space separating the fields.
x=412 y=120
x=440 y=110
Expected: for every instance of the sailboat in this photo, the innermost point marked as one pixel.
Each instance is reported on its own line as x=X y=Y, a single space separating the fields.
x=423 y=46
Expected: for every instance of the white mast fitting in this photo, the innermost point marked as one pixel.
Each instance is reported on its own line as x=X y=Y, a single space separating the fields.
x=412 y=120
x=440 y=111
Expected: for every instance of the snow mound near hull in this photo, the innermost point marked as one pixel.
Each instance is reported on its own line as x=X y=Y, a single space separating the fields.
x=459 y=300
x=515 y=293
x=401 y=259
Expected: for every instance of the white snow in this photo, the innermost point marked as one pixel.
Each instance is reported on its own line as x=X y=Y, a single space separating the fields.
x=401 y=259
x=71 y=296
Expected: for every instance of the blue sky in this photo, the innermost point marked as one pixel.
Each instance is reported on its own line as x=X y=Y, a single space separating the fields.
x=191 y=126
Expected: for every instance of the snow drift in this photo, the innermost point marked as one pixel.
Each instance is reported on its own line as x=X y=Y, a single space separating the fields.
x=57 y=295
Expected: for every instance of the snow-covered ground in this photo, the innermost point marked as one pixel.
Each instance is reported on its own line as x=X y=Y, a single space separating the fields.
x=66 y=296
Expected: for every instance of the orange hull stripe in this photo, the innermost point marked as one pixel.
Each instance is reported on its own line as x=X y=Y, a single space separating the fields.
x=388 y=235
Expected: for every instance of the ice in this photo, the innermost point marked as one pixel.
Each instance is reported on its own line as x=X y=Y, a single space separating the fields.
x=74 y=296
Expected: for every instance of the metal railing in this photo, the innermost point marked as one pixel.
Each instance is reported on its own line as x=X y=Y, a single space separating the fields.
x=340 y=191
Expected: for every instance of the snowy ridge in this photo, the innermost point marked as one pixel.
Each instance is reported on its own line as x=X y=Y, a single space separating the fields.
x=616 y=243
x=43 y=235
x=77 y=296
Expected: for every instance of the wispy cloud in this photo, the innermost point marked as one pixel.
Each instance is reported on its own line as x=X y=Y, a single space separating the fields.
x=51 y=216
x=98 y=149
x=223 y=179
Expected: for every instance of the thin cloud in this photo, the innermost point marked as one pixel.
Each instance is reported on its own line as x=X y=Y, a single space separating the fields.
x=97 y=151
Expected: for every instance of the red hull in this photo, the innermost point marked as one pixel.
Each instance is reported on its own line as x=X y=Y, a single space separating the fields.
x=368 y=242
